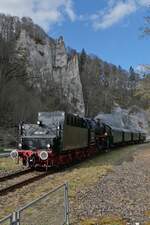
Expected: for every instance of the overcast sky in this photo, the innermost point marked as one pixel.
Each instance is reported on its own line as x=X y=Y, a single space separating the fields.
x=107 y=28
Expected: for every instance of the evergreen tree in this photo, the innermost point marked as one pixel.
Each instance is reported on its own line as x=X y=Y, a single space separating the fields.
x=82 y=60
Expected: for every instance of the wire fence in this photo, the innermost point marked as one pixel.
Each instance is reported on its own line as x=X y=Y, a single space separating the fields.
x=50 y=209
x=7 y=220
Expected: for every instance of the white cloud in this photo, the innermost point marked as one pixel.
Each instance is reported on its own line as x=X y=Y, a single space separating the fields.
x=113 y=15
x=115 y=12
x=142 y=69
x=43 y=12
x=47 y=13
x=143 y=2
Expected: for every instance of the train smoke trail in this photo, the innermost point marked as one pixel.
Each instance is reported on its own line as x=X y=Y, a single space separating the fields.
x=134 y=118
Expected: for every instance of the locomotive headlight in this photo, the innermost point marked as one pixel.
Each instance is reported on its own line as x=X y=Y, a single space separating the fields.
x=106 y=134
x=43 y=155
x=14 y=154
x=48 y=145
x=38 y=122
x=19 y=145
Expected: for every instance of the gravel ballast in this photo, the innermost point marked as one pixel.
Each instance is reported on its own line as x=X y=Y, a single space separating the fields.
x=124 y=192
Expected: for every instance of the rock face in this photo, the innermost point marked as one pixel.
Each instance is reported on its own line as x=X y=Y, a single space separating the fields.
x=48 y=63
x=66 y=71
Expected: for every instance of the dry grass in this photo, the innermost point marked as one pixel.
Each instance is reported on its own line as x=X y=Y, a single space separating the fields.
x=7 y=164
x=106 y=220
x=86 y=175
x=147 y=213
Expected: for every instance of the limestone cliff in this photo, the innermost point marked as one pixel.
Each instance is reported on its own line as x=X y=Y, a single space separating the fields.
x=47 y=62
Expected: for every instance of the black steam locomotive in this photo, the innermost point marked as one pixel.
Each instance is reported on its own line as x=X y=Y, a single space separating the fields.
x=59 y=139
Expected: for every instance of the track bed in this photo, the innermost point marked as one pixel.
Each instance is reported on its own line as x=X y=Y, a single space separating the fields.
x=13 y=181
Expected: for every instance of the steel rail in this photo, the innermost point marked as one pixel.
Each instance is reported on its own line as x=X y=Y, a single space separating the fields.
x=20 y=184
x=4 y=155
x=15 y=174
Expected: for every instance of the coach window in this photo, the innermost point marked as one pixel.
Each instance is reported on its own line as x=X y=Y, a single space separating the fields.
x=67 y=119
x=75 y=121
x=79 y=122
x=81 y=125
x=82 y=122
x=72 y=120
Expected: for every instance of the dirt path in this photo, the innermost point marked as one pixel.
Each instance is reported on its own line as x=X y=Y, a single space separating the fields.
x=125 y=191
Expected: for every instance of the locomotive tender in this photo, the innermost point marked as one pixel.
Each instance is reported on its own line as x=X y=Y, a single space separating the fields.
x=60 y=138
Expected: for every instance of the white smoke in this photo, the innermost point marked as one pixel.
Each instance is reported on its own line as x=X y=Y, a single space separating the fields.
x=134 y=118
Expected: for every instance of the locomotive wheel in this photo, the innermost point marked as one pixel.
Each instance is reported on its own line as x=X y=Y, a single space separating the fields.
x=99 y=146
x=24 y=161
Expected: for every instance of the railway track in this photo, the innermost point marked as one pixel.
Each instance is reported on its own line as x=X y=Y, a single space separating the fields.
x=21 y=178
x=14 y=181
x=14 y=175
x=4 y=155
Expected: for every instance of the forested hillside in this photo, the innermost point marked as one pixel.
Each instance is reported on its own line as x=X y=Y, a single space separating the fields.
x=38 y=73
x=105 y=84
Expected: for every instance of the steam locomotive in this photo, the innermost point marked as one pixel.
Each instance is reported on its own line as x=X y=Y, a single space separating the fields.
x=60 y=139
